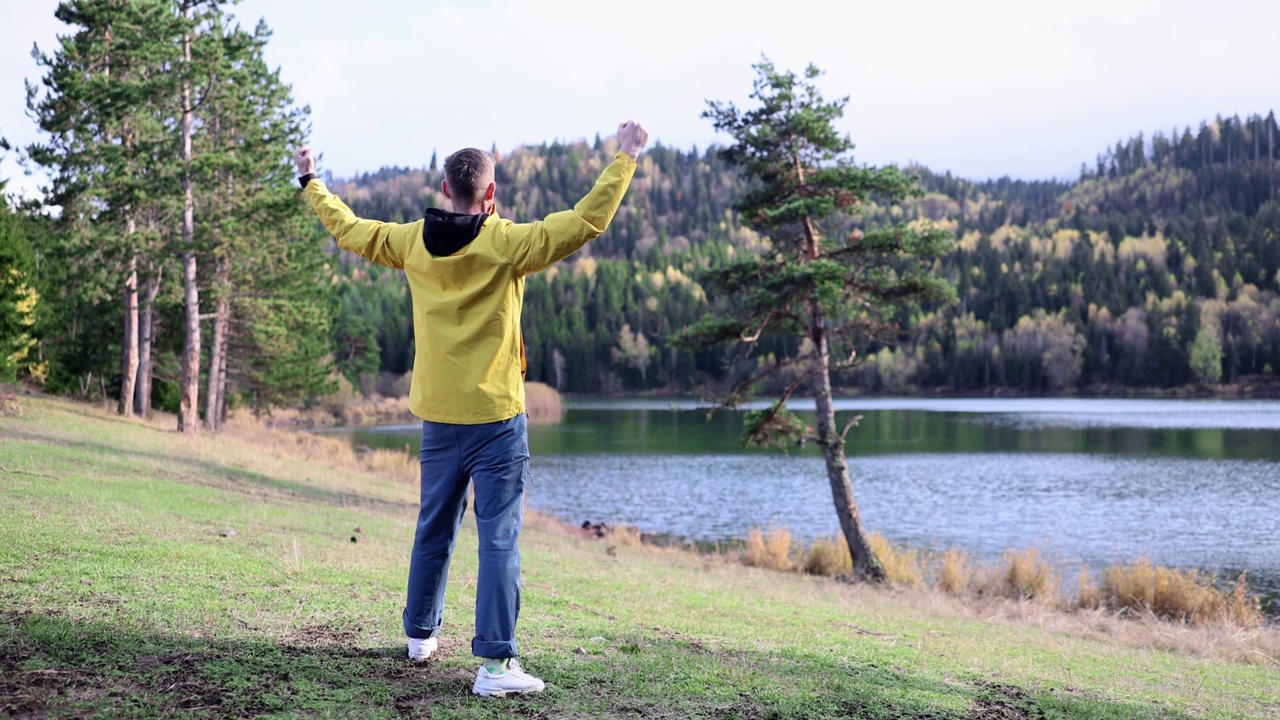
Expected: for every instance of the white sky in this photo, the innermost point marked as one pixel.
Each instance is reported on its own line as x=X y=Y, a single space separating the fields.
x=984 y=88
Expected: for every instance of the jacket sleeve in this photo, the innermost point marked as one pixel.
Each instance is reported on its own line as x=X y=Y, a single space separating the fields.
x=534 y=246
x=386 y=244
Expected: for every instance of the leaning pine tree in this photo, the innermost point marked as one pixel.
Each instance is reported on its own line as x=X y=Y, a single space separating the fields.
x=828 y=285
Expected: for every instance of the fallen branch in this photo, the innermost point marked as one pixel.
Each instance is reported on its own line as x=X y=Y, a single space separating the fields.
x=24 y=472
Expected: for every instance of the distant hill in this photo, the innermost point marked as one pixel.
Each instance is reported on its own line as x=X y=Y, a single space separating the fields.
x=1157 y=268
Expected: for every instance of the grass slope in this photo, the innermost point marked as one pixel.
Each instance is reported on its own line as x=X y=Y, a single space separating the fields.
x=119 y=597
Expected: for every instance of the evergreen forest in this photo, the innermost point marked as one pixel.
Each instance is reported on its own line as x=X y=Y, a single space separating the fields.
x=1157 y=269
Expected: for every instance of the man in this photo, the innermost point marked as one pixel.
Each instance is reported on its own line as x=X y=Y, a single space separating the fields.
x=466 y=273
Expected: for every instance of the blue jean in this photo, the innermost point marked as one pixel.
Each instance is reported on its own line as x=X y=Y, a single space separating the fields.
x=495 y=457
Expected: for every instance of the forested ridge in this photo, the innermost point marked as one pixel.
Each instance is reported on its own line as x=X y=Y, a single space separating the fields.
x=1157 y=268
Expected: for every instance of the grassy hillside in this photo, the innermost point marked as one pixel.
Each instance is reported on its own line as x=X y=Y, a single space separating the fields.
x=120 y=596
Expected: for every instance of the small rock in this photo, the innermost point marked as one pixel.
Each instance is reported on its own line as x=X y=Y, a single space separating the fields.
x=580 y=651
x=229 y=532
x=596 y=639
x=359 y=530
x=86 y=581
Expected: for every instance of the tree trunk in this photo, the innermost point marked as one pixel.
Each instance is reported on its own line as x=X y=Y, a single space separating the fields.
x=866 y=566
x=214 y=403
x=146 y=333
x=189 y=385
x=129 y=366
x=222 y=375
x=217 y=350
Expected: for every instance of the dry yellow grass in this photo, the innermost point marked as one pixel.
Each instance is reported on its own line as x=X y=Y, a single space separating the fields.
x=1181 y=595
x=954 y=572
x=828 y=557
x=1147 y=605
x=624 y=534
x=1025 y=575
x=332 y=451
x=769 y=549
x=543 y=404
x=346 y=407
x=901 y=566
x=1088 y=596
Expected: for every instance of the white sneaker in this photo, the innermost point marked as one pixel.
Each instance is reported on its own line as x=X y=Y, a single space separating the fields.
x=422 y=649
x=514 y=680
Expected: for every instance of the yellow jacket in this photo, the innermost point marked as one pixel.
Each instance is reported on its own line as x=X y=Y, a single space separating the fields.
x=467 y=305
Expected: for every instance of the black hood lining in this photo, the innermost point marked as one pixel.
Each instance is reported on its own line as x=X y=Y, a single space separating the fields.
x=445 y=233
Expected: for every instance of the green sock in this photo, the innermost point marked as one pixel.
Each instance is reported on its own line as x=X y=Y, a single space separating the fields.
x=496 y=666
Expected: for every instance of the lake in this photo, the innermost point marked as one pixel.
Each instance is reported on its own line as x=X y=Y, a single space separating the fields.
x=1186 y=483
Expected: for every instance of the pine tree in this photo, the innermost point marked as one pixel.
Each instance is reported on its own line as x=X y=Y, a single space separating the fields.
x=250 y=214
x=105 y=93
x=821 y=280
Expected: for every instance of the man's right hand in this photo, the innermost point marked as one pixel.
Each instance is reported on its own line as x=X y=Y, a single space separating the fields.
x=633 y=137
x=304 y=160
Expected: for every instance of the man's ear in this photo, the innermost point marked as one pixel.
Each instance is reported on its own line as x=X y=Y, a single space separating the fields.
x=444 y=188
x=489 y=191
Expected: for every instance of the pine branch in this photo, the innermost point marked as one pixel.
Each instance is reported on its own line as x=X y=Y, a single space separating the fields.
x=851 y=424
x=743 y=388
x=779 y=406
x=756 y=335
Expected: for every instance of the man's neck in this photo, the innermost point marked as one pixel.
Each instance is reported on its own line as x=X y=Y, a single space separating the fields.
x=472 y=209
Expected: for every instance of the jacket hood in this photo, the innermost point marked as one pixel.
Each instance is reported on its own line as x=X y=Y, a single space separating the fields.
x=445 y=233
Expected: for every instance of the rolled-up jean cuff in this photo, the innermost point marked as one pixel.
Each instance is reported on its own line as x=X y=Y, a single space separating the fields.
x=419 y=633
x=493 y=649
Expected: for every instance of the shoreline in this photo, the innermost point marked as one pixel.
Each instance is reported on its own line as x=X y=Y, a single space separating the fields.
x=1259 y=387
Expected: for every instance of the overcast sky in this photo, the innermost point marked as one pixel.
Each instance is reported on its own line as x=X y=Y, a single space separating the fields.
x=984 y=88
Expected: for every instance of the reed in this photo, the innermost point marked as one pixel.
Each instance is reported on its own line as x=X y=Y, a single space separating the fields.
x=1180 y=595
x=769 y=549
x=902 y=566
x=1025 y=575
x=543 y=404
x=828 y=557
x=398 y=464
x=955 y=572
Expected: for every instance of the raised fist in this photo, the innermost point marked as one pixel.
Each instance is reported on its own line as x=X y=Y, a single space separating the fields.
x=633 y=137
x=305 y=160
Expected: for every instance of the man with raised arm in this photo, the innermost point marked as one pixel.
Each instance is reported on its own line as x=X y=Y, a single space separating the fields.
x=466 y=273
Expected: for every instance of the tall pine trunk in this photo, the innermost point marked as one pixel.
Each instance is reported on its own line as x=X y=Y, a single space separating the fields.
x=217 y=350
x=215 y=400
x=222 y=376
x=189 y=385
x=146 y=334
x=866 y=566
x=129 y=365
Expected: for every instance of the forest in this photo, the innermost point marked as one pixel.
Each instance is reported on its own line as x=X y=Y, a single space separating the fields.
x=1157 y=269
x=172 y=263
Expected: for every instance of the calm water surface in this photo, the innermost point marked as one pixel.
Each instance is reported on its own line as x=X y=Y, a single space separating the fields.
x=1185 y=483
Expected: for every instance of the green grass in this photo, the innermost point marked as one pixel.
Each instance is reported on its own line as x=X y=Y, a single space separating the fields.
x=119 y=597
